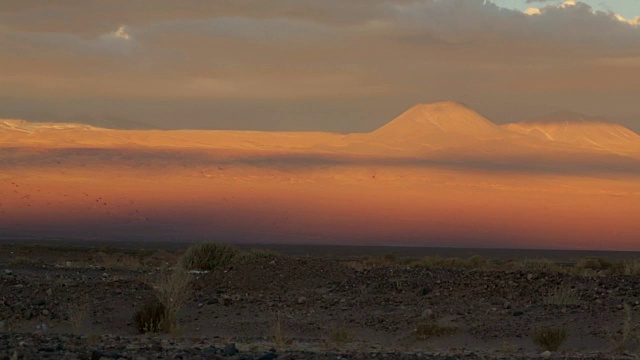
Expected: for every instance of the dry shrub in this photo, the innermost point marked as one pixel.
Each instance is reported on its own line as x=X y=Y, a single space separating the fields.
x=549 y=338
x=631 y=267
x=439 y=262
x=121 y=262
x=278 y=337
x=160 y=315
x=564 y=295
x=152 y=317
x=594 y=263
x=540 y=265
x=628 y=338
x=77 y=312
x=341 y=336
x=21 y=260
x=431 y=328
x=172 y=291
x=208 y=256
x=258 y=254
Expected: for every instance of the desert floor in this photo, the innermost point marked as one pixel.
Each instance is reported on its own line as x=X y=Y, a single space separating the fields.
x=64 y=300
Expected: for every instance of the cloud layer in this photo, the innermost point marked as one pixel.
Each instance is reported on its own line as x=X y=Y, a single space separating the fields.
x=330 y=65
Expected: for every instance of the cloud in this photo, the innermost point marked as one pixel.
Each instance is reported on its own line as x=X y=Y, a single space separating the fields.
x=121 y=33
x=366 y=59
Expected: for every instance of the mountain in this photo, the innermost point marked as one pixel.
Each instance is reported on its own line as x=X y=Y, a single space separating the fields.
x=436 y=123
x=33 y=127
x=581 y=131
x=442 y=132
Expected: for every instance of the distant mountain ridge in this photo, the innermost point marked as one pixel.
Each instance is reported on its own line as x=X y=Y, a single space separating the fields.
x=580 y=130
x=442 y=130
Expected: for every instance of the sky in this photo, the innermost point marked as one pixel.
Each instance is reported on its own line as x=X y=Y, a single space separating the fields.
x=331 y=65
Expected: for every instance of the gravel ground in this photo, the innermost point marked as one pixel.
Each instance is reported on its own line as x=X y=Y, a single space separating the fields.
x=74 y=305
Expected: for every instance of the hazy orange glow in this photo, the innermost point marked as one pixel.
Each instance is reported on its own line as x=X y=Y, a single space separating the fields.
x=447 y=184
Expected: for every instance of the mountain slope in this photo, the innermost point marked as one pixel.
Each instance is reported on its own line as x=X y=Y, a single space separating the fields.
x=581 y=131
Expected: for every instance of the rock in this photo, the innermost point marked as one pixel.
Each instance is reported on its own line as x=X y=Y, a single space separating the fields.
x=209 y=353
x=212 y=301
x=226 y=300
x=39 y=302
x=27 y=314
x=230 y=350
x=301 y=300
x=96 y=355
x=45 y=312
x=518 y=313
x=111 y=355
x=546 y=354
x=8 y=272
x=427 y=314
x=268 y=356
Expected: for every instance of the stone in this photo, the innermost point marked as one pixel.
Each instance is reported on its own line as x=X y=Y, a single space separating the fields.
x=212 y=301
x=302 y=300
x=209 y=353
x=427 y=314
x=518 y=313
x=268 y=356
x=546 y=354
x=230 y=350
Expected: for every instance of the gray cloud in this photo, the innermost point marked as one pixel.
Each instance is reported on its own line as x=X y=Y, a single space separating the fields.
x=307 y=64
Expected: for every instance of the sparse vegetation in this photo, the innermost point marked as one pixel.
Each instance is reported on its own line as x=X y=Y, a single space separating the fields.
x=278 y=337
x=77 y=312
x=593 y=265
x=208 y=256
x=121 y=262
x=259 y=254
x=151 y=317
x=172 y=291
x=631 y=267
x=549 y=338
x=431 y=328
x=564 y=295
x=341 y=336
x=21 y=260
x=540 y=265
x=628 y=338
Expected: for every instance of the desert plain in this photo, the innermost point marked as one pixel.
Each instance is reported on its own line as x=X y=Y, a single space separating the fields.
x=70 y=301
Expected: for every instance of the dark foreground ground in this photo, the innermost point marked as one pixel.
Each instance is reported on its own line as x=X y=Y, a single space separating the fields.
x=64 y=301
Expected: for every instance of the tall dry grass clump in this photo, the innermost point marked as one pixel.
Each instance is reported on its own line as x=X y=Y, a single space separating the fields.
x=628 y=338
x=151 y=318
x=549 y=338
x=208 y=256
x=77 y=312
x=564 y=295
x=172 y=292
x=539 y=265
